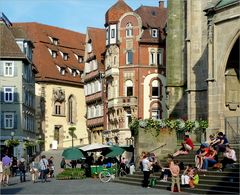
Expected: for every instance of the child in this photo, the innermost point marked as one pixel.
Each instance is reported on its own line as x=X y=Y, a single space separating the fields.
x=194 y=180
x=188 y=172
x=174 y=168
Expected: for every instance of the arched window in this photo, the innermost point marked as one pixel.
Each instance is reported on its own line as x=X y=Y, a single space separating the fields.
x=152 y=57
x=129 y=30
x=71 y=109
x=129 y=88
x=155 y=88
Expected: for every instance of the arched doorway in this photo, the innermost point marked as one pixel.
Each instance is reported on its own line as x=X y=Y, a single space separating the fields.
x=232 y=93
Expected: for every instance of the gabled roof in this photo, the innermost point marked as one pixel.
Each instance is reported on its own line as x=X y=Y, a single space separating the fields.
x=116 y=11
x=8 y=45
x=152 y=17
x=97 y=36
x=69 y=42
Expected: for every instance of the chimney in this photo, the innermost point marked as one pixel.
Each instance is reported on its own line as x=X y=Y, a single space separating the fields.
x=161 y=3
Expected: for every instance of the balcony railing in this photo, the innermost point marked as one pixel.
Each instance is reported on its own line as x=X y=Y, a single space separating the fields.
x=111 y=71
x=95 y=121
x=94 y=97
x=122 y=101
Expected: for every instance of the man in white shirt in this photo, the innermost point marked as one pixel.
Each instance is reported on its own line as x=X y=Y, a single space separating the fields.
x=43 y=164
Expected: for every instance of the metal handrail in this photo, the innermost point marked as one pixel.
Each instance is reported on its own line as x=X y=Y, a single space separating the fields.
x=158 y=147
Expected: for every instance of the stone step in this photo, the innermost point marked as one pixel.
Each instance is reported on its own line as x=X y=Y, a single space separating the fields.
x=234 y=187
x=167 y=187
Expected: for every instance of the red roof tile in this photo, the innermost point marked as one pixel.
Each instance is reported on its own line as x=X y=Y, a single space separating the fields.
x=68 y=41
x=116 y=11
x=97 y=36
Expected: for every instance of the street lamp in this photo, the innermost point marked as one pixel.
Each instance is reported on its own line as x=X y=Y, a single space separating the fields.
x=12 y=134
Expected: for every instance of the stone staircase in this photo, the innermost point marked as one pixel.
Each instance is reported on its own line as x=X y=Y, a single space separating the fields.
x=211 y=182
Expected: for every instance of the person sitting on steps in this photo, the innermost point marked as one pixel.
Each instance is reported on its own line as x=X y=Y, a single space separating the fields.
x=187 y=146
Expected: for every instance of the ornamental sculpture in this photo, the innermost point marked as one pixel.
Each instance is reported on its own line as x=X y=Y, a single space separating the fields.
x=58 y=95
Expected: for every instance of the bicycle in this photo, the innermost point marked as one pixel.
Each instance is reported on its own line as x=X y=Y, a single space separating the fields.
x=107 y=175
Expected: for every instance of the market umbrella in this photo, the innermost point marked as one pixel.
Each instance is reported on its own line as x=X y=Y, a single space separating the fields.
x=72 y=154
x=113 y=151
x=94 y=147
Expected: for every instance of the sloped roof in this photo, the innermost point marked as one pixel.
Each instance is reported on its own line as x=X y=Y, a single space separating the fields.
x=116 y=11
x=69 y=42
x=8 y=45
x=153 y=17
x=97 y=36
x=223 y=3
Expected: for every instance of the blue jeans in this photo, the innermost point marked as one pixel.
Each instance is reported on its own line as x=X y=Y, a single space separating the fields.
x=207 y=161
x=22 y=175
x=43 y=175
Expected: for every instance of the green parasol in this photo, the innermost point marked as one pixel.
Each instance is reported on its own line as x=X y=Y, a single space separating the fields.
x=72 y=154
x=113 y=151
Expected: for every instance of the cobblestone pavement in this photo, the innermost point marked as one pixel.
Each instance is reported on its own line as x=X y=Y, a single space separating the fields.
x=85 y=186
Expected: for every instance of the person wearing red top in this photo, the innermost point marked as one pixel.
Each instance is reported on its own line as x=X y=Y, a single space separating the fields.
x=187 y=145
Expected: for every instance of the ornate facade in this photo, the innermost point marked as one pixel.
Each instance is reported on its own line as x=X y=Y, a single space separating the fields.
x=134 y=68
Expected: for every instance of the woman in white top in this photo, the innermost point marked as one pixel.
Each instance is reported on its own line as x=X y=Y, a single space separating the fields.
x=229 y=157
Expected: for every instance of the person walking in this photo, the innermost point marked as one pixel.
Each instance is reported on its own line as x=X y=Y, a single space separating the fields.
x=6 y=160
x=22 y=170
x=34 y=170
x=174 y=168
x=44 y=170
x=51 y=167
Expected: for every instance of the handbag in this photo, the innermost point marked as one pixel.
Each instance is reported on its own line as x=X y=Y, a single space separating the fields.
x=217 y=166
x=153 y=182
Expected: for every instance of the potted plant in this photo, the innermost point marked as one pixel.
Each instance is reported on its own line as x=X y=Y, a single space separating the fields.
x=12 y=143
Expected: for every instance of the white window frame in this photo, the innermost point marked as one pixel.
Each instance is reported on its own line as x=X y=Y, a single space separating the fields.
x=128 y=84
x=127 y=57
x=6 y=92
x=128 y=114
x=8 y=69
x=154 y=33
x=54 y=54
x=156 y=83
x=8 y=122
x=160 y=57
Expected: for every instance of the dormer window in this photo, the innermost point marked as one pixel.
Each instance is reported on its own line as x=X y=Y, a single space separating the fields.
x=65 y=56
x=113 y=33
x=55 y=41
x=80 y=59
x=129 y=30
x=74 y=73
x=54 y=54
x=62 y=71
x=154 y=33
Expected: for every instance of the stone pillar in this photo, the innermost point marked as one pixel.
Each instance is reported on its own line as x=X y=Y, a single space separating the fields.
x=175 y=59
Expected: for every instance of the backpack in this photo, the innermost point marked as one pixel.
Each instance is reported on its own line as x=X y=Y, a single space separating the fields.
x=153 y=182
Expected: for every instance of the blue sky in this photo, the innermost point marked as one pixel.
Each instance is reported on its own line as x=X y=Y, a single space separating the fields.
x=75 y=15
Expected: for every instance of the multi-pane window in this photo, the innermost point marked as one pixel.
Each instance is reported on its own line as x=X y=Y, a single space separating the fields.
x=58 y=109
x=8 y=120
x=8 y=69
x=152 y=57
x=129 y=30
x=8 y=94
x=129 y=57
x=156 y=114
x=155 y=88
x=129 y=88
x=154 y=33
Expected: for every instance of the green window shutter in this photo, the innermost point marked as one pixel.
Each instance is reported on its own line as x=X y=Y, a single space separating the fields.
x=15 y=121
x=16 y=95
